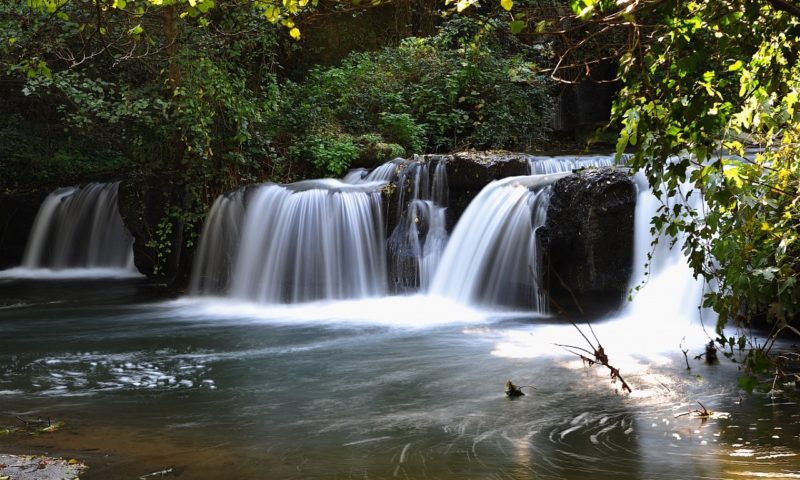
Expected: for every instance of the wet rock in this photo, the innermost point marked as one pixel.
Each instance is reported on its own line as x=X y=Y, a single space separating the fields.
x=473 y=170
x=469 y=172
x=38 y=467
x=145 y=207
x=588 y=240
x=17 y=214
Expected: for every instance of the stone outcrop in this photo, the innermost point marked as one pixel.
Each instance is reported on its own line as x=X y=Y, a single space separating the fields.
x=588 y=240
x=145 y=207
x=17 y=214
x=468 y=172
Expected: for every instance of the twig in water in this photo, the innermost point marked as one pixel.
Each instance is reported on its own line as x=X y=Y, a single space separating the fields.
x=159 y=473
x=685 y=354
x=705 y=413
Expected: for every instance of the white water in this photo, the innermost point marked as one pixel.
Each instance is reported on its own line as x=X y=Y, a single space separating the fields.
x=491 y=258
x=219 y=245
x=664 y=315
x=548 y=165
x=78 y=228
x=416 y=244
x=68 y=273
x=312 y=240
x=668 y=291
x=406 y=312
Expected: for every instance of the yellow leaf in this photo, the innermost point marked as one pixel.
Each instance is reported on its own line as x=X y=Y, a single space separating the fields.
x=766 y=227
x=272 y=13
x=295 y=33
x=507 y=4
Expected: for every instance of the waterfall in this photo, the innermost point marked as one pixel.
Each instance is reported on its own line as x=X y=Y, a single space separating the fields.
x=492 y=257
x=218 y=245
x=540 y=165
x=311 y=240
x=670 y=291
x=416 y=244
x=80 y=227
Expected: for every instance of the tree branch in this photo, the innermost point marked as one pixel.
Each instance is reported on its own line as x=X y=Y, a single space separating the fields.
x=785 y=6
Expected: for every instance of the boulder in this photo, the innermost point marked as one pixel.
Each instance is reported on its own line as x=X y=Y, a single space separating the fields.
x=587 y=241
x=468 y=172
x=159 y=249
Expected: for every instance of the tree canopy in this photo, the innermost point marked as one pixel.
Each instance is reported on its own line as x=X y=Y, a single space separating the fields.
x=709 y=106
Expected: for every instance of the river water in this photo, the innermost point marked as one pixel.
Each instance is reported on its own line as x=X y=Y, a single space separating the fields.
x=403 y=387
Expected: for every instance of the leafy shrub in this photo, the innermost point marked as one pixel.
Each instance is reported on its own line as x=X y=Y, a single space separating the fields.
x=401 y=129
x=330 y=155
x=461 y=88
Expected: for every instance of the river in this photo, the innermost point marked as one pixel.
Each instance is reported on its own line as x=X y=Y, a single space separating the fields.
x=394 y=387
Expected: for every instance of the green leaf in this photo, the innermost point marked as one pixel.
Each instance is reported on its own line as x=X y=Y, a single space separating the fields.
x=516 y=26
x=737 y=65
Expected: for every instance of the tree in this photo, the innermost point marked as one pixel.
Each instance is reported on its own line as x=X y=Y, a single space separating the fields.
x=710 y=106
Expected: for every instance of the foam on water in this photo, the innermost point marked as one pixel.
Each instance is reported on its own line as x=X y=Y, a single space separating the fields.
x=68 y=273
x=418 y=311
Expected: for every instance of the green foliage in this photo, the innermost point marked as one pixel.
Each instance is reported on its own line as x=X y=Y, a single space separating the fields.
x=458 y=89
x=331 y=155
x=722 y=120
x=400 y=128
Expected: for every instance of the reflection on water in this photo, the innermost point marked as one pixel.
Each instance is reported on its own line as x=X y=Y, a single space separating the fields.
x=225 y=391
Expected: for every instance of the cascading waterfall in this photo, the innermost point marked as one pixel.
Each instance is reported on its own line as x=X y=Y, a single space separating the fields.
x=417 y=242
x=670 y=290
x=311 y=240
x=540 y=165
x=80 y=227
x=219 y=244
x=492 y=257
x=323 y=239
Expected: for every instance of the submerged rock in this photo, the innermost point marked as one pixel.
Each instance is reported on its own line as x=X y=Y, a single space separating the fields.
x=38 y=467
x=588 y=240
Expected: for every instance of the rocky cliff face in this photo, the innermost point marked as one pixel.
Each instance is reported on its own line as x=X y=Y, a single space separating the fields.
x=17 y=213
x=588 y=241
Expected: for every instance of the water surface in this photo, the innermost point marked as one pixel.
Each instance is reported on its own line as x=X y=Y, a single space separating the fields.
x=389 y=388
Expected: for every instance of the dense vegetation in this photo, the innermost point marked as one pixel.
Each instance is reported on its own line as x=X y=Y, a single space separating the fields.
x=187 y=101
x=710 y=104
x=442 y=93
x=203 y=97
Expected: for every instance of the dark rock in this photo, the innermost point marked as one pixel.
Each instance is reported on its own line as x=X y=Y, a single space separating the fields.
x=588 y=240
x=159 y=246
x=17 y=214
x=373 y=154
x=467 y=171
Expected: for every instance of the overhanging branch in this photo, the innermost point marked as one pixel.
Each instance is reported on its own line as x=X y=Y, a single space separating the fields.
x=786 y=6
